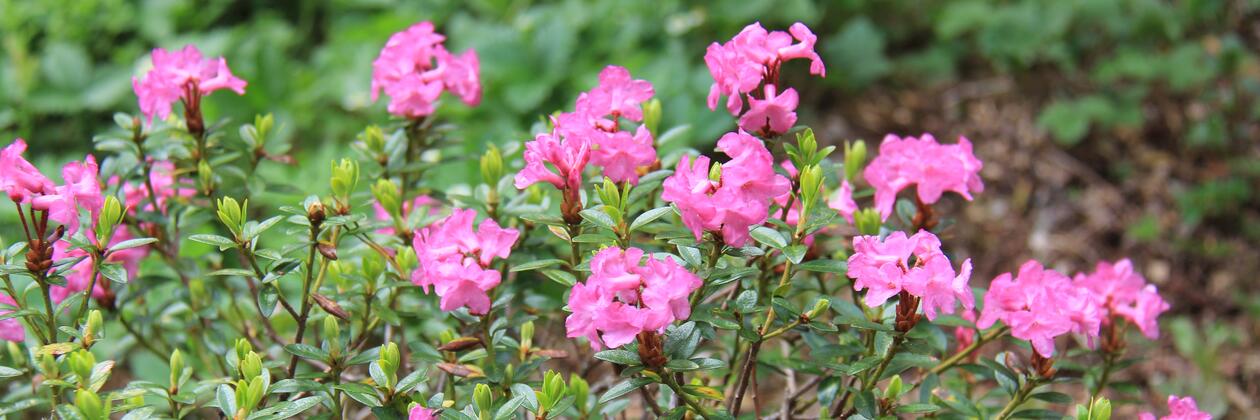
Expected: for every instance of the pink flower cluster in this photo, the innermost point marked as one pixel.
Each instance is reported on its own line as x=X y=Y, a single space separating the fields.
x=10 y=329
x=18 y=178
x=930 y=166
x=1180 y=408
x=162 y=178
x=1038 y=305
x=624 y=296
x=420 y=413
x=842 y=201
x=1119 y=291
x=80 y=276
x=750 y=62
x=414 y=68
x=592 y=134
x=455 y=259
x=739 y=199
x=883 y=268
x=181 y=75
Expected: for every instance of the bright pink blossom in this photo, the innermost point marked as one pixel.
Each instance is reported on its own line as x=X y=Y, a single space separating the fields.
x=1180 y=408
x=567 y=154
x=930 y=166
x=884 y=269
x=162 y=178
x=772 y=116
x=1120 y=291
x=18 y=177
x=738 y=200
x=430 y=205
x=177 y=74
x=938 y=288
x=455 y=259
x=622 y=154
x=626 y=295
x=1038 y=305
x=753 y=58
x=619 y=95
x=842 y=201
x=420 y=413
x=80 y=275
x=82 y=189
x=414 y=68
x=10 y=329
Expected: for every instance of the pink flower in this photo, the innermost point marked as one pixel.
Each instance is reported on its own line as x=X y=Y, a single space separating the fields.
x=621 y=155
x=81 y=190
x=455 y=260
x=421 y=413
x=738 y=200
x=624 y=296
x=619 y=95
x=1144 y=311
x=772 y=116
x=1120 y=291
x=10 y=329
x=842 y=201
x=1180 y=408
x=429 y=204
x=932 y=167
x=177 y=74
x=80 y=275
x=18 y=177
x=883 y=268
x=938 y=288
x=752 y=58
x=162 y=178
x=1039 y=305
x=414 y=68
x=567 y=154
x=965 y=336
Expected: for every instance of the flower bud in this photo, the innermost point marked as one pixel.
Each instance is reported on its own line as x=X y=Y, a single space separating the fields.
x=715 y=172
x=48 y=366
x=389 y=359
x=492 y=166
x=527 y=335
x=232 y=214
x=90 y=404
x=386 y=193
x=263 y=124
x=854 y=158
x=251 y=365
x=652 y=116
x=893 y=390
x=345 y=177
x=406 y=260
x=177 y=370
x=580 y=390
x=205 y=175
x=868 y=221
x=92 y=327
x=332 y=335
x=242 y=348
x=484 y=401
x=820 y=306
x=374 y=141
x=315 y=213
x=110 y=216
x=811 y=180
x=81 y=363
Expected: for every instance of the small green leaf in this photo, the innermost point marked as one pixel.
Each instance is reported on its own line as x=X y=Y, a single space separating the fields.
x=618 y=356
x=537 y=264
x=768 y=237
x=623 y=388
x=649 y=216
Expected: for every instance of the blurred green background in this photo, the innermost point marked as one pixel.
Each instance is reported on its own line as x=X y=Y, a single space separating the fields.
x=1109 y=128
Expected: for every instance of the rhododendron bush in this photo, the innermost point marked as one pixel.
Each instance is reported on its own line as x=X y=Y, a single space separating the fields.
x=593 y=270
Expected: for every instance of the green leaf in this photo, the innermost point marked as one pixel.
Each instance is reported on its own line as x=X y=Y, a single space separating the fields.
x=1053 y=397
x=682 y=365
x=623 y=388
x=917 y=408
x=649 y=216
x=225 y=272
x=825 y=266
x=537 y=264
x=746 y=301
x=794 y=253
x=1037 y=413
x=114 y=272
x=216 y=240
x=769 y=237
x=560 y=276
x=599 y=218
x=618 y=356
x=364 y=394
x=8 y=372
x=131 y=243
x=307 y=351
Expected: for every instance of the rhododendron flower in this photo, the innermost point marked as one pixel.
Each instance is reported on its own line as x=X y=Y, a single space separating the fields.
x=621 y=154
x=618 y=94
x=930 y=166
x=1120 y=291
x=455 y=259
x=81 y=190
x=752 y=59
x=842 y=201
x=883 y=268
x=772 y=116
x=420 y=413
x=1039 y=305
x=739 y=199
x=80 y=275
x=18 y=177
x=1180 y=408
x=10 y=329
x=431 y=206
x=177 y=74
x=626 y=295
x=414 y=68
x=568 y=155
